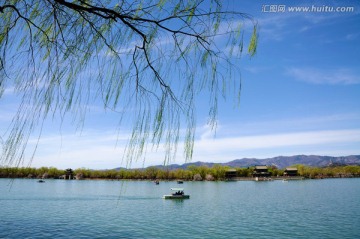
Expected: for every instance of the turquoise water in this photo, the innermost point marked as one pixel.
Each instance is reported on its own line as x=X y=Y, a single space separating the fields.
x=328 y=208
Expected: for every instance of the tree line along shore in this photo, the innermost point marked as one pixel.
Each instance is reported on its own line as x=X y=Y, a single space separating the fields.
x=197 y=173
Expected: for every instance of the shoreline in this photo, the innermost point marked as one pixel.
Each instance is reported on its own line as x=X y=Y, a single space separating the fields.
x=236 y=179
x=201 y=173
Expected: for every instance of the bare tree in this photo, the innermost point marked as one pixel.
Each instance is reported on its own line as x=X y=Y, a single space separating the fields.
x=146 y=60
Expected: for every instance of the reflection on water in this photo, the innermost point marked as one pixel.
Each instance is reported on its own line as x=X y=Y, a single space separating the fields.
x=135 y=209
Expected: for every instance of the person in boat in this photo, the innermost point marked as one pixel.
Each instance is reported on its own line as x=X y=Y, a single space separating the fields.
x=179 y=193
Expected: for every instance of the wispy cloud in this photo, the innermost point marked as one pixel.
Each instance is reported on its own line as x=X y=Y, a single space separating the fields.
x=91 y=149
x=105 y=149
x=100 y=150
x=298 y=124
x=277 y=27
x=164 y=41
x=270 y=145
x=9 y=91
x=273 y=28
x=257 y=69
x=342 y=76
x=352 y=36
x=281 y=140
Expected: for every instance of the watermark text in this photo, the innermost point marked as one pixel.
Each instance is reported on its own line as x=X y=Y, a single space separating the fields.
x=277 y=8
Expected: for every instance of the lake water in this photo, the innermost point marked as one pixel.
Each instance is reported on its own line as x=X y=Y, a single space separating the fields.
x=328 y=208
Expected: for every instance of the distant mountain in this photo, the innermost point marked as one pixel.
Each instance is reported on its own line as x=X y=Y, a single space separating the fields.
x=279 y=162
x=186 y=165
x=309 y=160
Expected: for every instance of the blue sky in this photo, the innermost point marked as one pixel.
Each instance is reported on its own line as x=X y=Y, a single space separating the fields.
x=300 y=95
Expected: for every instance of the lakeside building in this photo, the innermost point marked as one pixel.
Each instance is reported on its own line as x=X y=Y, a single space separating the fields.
x=261 y=171
x=290 y=172
x=230 y=174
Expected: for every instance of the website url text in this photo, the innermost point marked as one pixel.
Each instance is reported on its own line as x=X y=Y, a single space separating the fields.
x=313 y=8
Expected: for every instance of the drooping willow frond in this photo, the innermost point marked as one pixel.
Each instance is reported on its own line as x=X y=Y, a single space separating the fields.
x=146 y=60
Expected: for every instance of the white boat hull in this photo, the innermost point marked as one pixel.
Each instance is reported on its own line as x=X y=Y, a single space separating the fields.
x=176 y=196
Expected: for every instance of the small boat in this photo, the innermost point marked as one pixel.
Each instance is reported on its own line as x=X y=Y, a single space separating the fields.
x=41 y=181
x=180 y=182
x=177 y=193
x=263 y=179
x=157 y=182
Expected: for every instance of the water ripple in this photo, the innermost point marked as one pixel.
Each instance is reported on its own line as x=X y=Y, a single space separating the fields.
x=105 y=209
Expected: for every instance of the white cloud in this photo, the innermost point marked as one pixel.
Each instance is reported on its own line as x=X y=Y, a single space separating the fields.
x=207 y=132
x=324 y=19
x=104 y=150
x=277 y=144
x=280 y=140
x=94 y=149
x=257 y=69
x=160 y=43
x=306 y=123
x=341 y=76
x=276 y=27
x=273 y=28
x=9 y=91
x=304 y=29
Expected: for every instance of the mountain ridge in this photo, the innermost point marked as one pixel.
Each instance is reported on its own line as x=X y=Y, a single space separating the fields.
x=278 y=161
